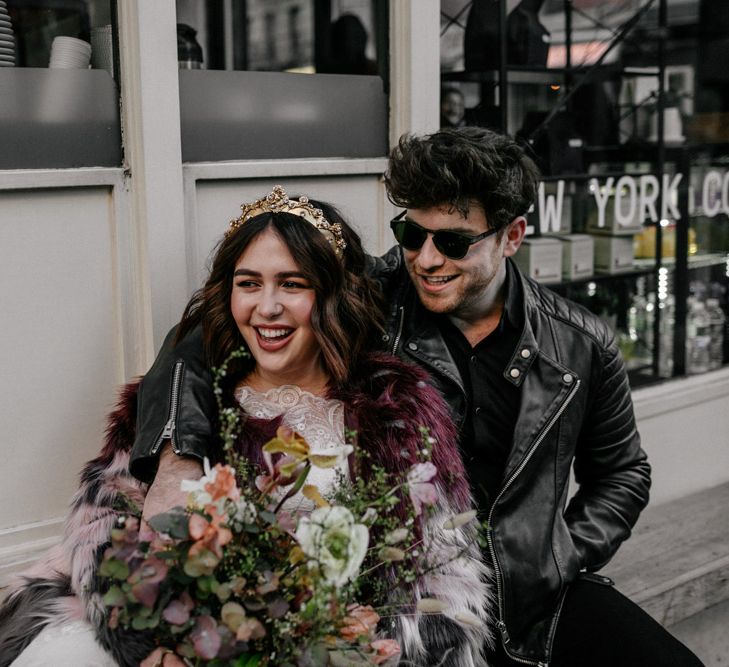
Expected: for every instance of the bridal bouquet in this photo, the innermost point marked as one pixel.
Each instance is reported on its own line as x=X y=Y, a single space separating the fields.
x=232 y=579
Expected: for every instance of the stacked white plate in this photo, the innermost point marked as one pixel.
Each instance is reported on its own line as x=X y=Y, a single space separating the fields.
x=7 y=38
x=69 y=53
x=102 y=56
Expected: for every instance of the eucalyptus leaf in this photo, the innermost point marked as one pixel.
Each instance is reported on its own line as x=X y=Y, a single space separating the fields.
x=268 y=517
x=175 y=523
x=114 y=569
x=278 y=608
x=144 y=623
x=248 y=660
x=114 y=597
x=345 y=659
x=316 y=655
x=254 y=604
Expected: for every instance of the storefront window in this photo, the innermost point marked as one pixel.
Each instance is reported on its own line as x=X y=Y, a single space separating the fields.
x=254 y=53
x=624 y=106
x=58 y=100
x=305 y=36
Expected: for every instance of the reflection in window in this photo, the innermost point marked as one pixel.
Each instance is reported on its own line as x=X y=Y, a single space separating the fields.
x=309 y=36
x=59 y=109
x=36 y=23
x=270 y=36
x=288 y=115
x=294 y=33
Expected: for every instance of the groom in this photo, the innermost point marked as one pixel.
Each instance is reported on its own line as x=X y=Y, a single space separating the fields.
x=535 y=384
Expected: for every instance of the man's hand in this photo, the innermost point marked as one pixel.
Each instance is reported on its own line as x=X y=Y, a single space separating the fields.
x=165 y=493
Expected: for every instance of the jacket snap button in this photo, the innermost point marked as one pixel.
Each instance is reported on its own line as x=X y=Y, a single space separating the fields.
x=412 y=346
x=525 y=353
x=386 y=337
x=514 y=372
x=567 y=378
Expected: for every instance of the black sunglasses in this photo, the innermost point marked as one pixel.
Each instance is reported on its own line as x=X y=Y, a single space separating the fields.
x=453 y=245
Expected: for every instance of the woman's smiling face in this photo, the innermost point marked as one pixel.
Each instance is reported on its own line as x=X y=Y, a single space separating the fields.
x=271 y=302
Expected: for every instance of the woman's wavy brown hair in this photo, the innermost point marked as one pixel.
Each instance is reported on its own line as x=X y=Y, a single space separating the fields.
x=346 y=317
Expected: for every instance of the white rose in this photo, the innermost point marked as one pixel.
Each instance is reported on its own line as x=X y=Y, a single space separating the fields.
x=330 y=536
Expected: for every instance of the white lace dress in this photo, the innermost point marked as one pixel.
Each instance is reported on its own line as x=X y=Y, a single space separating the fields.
x=319 y=420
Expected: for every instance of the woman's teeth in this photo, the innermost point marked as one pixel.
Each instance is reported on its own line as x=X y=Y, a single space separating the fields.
x=271 y=334
x=438 y=280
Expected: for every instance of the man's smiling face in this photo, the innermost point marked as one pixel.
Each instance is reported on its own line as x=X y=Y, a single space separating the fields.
x=458 y=287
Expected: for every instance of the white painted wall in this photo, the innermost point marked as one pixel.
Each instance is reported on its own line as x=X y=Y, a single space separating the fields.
x=61 y=348
x=150 y=113
x=414 y=67
x=214 y=194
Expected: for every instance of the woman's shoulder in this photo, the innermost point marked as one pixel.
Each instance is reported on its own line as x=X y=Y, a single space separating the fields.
x=380 y=369
x=387 y=384
x=394 y=403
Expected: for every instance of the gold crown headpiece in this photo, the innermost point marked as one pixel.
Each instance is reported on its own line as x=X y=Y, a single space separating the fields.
x=277 y=201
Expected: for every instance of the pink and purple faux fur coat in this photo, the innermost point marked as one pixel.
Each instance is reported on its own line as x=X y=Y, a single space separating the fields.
x=386 y=405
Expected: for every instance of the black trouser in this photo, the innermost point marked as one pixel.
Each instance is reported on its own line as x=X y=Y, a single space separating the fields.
x=600 y=627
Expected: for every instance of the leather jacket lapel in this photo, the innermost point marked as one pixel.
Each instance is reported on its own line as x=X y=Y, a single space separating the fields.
x=545 y=382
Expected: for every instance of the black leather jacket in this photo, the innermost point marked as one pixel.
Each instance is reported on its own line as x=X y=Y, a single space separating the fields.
x=576 y=407
x=175 y=402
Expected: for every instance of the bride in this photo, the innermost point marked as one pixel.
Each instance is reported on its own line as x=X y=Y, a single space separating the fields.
x=288 y=281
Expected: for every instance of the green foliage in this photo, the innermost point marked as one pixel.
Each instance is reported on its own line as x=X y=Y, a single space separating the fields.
x=174 y=523
x=113 y=568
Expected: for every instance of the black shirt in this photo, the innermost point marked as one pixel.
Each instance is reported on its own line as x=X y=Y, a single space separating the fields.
x=493 y=402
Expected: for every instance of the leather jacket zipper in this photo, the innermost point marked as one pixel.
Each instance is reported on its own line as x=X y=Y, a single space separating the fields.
x=399 y=330
x=500 y=625
x=168 y=432
x=553 y=626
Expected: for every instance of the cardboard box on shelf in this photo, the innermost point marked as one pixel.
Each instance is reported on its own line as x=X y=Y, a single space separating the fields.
x=613 y=254
x=624 y=220
x=540 y=258
x=577 y=256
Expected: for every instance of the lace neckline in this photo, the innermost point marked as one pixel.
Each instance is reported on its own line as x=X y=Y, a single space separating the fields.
x=283 y=393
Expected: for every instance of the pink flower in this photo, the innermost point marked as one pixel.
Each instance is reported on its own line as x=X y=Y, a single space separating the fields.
x=223 y=484
x=360 y=620
x=211 y=535
x=287 y=521
x=386 y=649
x=205 y=637
x=250 y=628
x=178 y=611
x=422 y=492
x=283 y=473
x=145 y=580
x=162 y=657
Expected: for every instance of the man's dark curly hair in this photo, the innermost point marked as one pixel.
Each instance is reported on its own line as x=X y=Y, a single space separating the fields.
x=454 y=167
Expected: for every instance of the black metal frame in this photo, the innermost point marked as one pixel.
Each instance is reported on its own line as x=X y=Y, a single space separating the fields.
x=682 y=157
